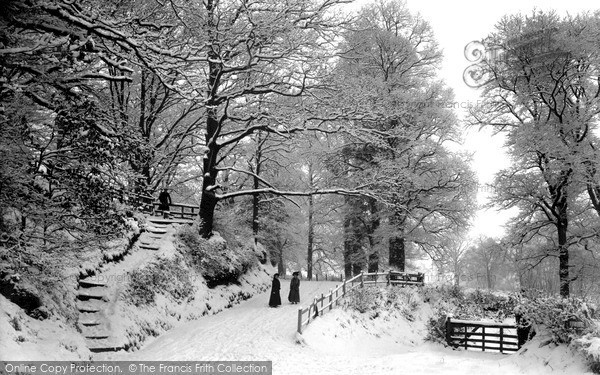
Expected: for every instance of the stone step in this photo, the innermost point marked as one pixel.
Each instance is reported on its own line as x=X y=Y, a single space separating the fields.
x=96 y=292
x=160 y=220
x=91 y=305
x=95 y=332
x=149 y=247
x=91 y=319
x=157 y=230
x=91 y=281
x=103 y=345
x=95 y=335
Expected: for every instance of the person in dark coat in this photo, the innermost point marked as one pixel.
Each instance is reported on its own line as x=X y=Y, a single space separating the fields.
x=294 y=296
x=165 y=202
x=275 y=299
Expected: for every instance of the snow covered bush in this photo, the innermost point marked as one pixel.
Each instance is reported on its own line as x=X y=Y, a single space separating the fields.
x=436 y=327
x=365 y=299
x=589 y=346
x=219 y=263
x=563 y=318
x=477 y=304
x=374 y=299
x=167 y=276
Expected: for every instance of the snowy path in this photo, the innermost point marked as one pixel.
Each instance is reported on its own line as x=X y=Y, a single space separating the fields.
x=253 y=331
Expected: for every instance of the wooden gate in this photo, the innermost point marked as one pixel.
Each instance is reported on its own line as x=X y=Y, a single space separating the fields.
x=492 y=337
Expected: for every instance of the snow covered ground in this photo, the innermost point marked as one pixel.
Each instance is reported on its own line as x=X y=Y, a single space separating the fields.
x=340 y=342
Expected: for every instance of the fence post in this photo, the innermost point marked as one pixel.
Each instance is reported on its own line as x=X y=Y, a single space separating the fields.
x=483 y=339
x=330 y=299
x=362 y=282
x=448 y=331
x=336 y=294
x=502 y=340
x=344 y=288
x=389 y=277
x=300 y=320
x=322 y=303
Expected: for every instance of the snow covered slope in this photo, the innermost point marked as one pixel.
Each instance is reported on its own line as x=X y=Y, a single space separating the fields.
x=340 y=342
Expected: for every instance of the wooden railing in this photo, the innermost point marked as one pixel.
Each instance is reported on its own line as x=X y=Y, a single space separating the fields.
x=497 y=337
x=148 y=204
x=324 y=303
x=179 y=210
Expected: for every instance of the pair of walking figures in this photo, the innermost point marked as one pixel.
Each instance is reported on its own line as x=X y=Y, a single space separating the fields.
x=293 y=296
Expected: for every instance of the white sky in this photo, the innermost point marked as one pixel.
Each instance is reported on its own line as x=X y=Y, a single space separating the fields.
x=456 y=23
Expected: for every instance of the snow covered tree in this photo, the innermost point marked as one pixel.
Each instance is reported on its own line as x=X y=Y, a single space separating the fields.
x=69 y=151
x=544 y=95
x=254 y=52
x=395 y=144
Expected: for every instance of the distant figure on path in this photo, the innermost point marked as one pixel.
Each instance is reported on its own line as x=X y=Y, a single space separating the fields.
x=294 y=296
x=275 y=299
x=165 y=201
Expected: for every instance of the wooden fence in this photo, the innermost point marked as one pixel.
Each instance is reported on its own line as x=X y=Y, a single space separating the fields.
x=179 y=210
x=495 y=337
x=324 y=303
x=148 y=204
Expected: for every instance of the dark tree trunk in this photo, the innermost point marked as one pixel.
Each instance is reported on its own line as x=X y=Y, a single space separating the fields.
x=594 y=194
x=373 y=265
x=309 y=254
x=280 y=264
x=559 y=195
x=563 y=259
x=351 y=248
x=208 y=200
x=256 y=197
x=396 y=248
x=311 y=232
x=373 y=260
x=348 y=247
x=354 y=259
x=255 y=203
x=397 y=253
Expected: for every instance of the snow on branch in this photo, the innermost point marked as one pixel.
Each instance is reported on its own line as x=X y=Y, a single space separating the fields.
x=269 y=190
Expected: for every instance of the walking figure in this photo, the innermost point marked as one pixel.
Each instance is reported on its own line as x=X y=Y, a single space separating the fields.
x=165 y=201
x=294 y=296
x=275 y=299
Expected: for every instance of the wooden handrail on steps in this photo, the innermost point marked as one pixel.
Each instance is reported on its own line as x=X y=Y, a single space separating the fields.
x=340 y=291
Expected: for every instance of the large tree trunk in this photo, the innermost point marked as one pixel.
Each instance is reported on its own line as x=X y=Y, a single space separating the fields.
x=309 y=253
x=280 y=264
x=311 y=233
x=348 y=246
x=354 y=259
x=208 y=200
x=594 y=194
x=563 y=258
x=373 y=260
x=397 y=253
x=256 y=185
x=396 y=248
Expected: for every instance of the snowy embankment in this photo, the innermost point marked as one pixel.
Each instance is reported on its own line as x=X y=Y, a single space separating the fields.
x=342 y=341
x=147 y=293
